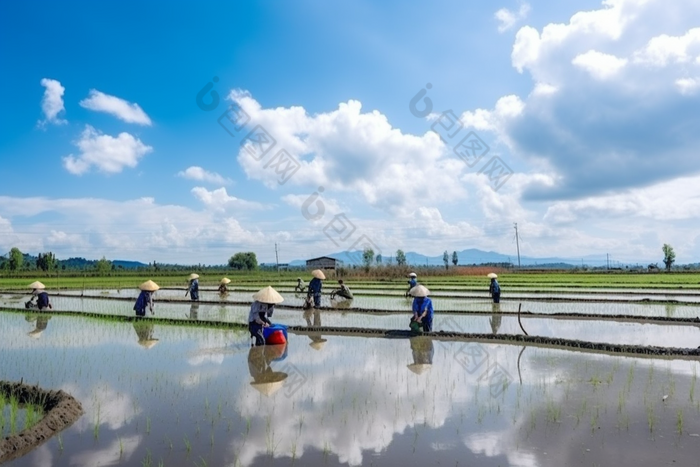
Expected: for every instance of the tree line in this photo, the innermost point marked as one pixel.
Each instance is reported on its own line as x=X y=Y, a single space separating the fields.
x=15 y=260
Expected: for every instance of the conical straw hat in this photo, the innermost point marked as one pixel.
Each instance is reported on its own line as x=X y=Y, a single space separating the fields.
x=194 y=276
x=149 y=286
x=148 y=343
x=318 y=345
x=225 y=280
x=268 y=295
x=419 y=368
x=318 y=274
x=37 y=285
x=413 y=274
x=35 y=333
x=419 y=291
x=270 y=383
x=492 y=275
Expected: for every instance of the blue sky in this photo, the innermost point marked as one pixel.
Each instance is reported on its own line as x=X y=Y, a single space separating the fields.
x=591 y=106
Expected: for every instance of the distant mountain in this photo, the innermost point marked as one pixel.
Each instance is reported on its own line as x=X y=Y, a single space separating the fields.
x=128 y=264
x=474 y=256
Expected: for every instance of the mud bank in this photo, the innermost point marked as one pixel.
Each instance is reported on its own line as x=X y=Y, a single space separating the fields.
x=61 y=411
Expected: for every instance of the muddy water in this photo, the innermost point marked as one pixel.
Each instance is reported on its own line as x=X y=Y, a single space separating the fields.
x=347 y=401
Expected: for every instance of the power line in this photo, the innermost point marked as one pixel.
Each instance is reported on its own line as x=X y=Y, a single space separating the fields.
x=517 y=242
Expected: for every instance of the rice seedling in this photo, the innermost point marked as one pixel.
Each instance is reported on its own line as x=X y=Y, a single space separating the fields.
x=148 y=460
x=692 y=384
x=14 y=412
x=679 y=421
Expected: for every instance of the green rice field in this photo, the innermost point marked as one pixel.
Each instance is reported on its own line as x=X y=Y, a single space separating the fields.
x=183 y=387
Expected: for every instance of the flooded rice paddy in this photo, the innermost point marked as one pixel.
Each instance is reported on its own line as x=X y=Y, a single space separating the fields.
x=183 y=395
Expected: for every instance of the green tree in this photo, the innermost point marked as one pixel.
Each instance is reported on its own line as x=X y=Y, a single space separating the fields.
x=669 y=255
x=16 y=259
x=446 y=259
x=103 y=266
x=455 y=258
x=378 y=259
x=400 y=258
x=243 y=261
x=367 y=257
x=46 y=261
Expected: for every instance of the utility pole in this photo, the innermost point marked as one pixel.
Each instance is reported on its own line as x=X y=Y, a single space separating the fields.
x=607 y=260
x=517 y=243
x=277 y=259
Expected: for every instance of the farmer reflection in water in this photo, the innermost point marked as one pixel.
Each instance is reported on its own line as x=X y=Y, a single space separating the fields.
x=265 y=379
x=194 y=311
x=40 y=325
x=144 y=331
x=317 y=340
x=495 y=320
x=422 y=349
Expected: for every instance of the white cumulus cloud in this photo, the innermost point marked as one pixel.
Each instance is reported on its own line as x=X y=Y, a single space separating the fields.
x=52 y=102
x=625 y=121
x=106 y=153
x=688 y=86
x=201 y=175
x=665 y=49
x=219 y=199
x=123 y=110
x=350 y=151
x=600 y=65
x=508 y=18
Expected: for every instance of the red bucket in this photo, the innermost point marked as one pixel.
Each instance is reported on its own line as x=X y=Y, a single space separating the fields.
x=276 y=337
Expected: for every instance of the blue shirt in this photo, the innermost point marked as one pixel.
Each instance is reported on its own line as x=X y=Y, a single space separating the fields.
x=145 y=300
x=43 y=300
x=413 y=282
x=420 y=304
x=260 y=310
x=315 y=286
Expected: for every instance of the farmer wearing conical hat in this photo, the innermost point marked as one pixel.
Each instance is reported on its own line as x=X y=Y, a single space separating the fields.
x=261 y=309
x=193 y=287
x=42 y=298
x=412 y=282
x=223 y=290
x=494 y=288
x=145 y=299
x=315 y=287
x=422 y=307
